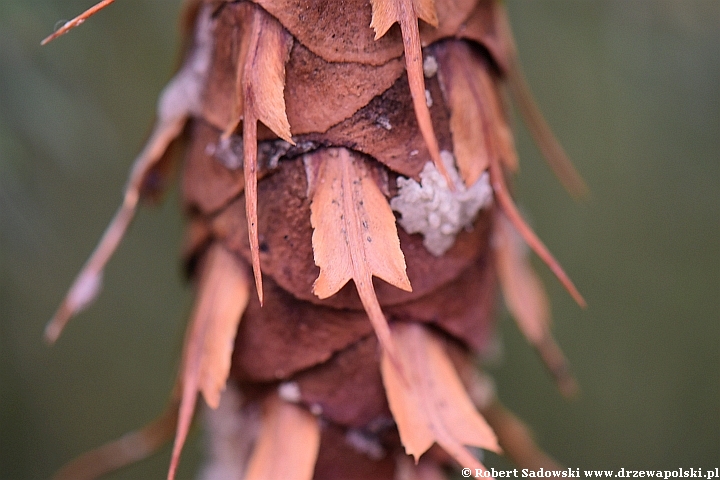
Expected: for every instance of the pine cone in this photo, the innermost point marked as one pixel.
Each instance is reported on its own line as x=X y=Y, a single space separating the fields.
x=361 y=179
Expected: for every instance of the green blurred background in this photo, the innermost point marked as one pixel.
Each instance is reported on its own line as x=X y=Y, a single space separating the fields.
x=632 y=90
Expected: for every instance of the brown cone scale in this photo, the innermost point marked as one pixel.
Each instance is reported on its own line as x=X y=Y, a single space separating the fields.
x=286 y=251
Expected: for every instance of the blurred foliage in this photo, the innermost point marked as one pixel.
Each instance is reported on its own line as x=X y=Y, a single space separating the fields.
x=631 y=89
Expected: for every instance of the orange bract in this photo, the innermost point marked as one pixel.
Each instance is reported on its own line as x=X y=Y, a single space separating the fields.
x=77 y=21
x=222 y=298
x=288 y=443
x=526 y=300
x=407 y=13
x=355 y=235
x=434 y=406
x=261 y=80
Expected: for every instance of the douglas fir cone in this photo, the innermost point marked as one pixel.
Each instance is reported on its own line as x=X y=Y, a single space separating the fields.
x=329 y=142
